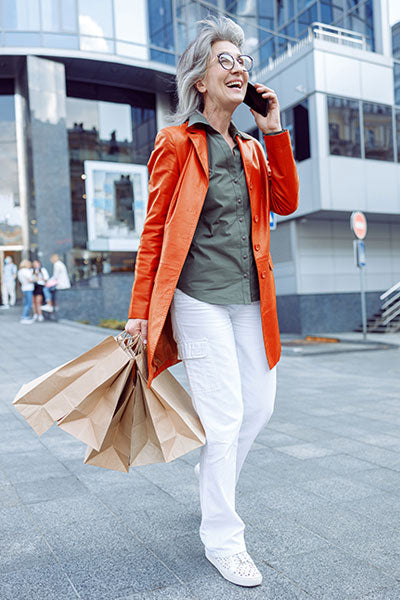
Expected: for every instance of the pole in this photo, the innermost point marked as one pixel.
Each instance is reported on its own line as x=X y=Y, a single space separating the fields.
x=363 y=304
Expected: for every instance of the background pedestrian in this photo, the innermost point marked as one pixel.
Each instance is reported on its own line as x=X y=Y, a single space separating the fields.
x=25 y=277
x=58 y=281
x=8 y=283
x=40 y=292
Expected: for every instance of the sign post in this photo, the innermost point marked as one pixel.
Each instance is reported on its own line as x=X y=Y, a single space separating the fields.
x=358 y=224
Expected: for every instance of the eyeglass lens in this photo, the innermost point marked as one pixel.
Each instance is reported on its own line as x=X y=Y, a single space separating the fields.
x=227 y=61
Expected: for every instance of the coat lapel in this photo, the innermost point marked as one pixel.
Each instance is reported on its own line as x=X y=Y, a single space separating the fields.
x=199 y=140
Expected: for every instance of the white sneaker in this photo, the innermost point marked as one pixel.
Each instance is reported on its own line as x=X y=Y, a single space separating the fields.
x=4 y=306
x=197 y=470
x=47 y=308
x=35 y=317
x=26 y=321
x=40 y=318
x=237 y=568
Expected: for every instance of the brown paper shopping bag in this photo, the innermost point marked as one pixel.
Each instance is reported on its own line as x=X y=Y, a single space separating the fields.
x=114 y=452
x=165 y=425
x=56 y=394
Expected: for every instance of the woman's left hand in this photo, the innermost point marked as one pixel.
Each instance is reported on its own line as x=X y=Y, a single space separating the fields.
x=272 y=122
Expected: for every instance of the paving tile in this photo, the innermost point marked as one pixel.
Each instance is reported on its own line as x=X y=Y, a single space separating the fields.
x=305 y=451
x=46 y=582
x=50 y=489
x=383 y=479
x=338 y=488
x=343 y=464
x=8 y=496
x=382 y=508
x=173 y=592
x=331 y=574
x=392 y=593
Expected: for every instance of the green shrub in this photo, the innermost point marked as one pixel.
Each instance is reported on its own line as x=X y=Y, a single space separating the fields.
x=112 y=324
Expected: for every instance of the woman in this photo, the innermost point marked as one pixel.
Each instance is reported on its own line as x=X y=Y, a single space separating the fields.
x=204 y=290
x=40 y=292
x=25 y=277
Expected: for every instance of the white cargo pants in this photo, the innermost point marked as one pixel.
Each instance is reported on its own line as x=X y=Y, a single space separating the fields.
x=233 y=392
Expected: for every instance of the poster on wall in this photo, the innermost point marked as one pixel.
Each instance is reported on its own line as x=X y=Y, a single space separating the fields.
x=116 y=201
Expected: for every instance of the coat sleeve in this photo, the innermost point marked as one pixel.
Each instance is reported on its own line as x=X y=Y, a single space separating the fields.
x=163 y=176
x=282 y=174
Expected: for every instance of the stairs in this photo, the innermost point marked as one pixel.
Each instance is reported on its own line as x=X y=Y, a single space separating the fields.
x=387 y=320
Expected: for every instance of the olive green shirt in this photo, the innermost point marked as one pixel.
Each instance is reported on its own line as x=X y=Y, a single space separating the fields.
x=220 y=266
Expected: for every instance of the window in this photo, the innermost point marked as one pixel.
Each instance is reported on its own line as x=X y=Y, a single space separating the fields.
x=295 y=119
x=344 y=127
x=396 y=76
x=161 y=30
x=397 y=117
x=95 y=25
x=378 y=131
x=305 y=19
x=21 y=14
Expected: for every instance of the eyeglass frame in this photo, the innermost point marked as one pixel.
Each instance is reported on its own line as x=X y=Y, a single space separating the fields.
x=234 y=60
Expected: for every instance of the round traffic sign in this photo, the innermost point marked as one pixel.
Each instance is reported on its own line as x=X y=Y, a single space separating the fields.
x=358 y=224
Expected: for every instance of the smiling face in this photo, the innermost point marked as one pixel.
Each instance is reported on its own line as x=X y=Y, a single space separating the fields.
x=221 y=88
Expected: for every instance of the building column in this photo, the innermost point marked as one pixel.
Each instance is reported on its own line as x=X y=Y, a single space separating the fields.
x=382 y=30
x=45 y=157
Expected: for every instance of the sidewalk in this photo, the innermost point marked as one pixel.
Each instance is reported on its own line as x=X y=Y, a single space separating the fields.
x=319 y=493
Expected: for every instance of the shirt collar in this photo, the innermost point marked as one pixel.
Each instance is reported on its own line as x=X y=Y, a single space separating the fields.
x=198 y=117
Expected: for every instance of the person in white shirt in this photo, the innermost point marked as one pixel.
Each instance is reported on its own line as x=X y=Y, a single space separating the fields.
x=8 y=282
x=25 y=277
x=40 y=277
x=59 y=279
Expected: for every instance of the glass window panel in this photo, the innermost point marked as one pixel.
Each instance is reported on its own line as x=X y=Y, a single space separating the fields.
x=57 y=40
x=378 y=131
x=396 y=76
x=290 y=9
x=280 y=7
x=50 y=15
x=21 y=14
x=397 y=117
x=94 y=44
x=267 y=50
x=96 y=18
x=132 y=50
x=82 y=114
x=301 y=131
x=115 y=121
x=161 y=32
x=22 y=39
x=344 y=127
x=127 y=12
x=10 y=212
x=68 y=15
x=306 y=18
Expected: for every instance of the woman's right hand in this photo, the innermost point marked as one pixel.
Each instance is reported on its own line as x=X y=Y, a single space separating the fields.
x=135 y=326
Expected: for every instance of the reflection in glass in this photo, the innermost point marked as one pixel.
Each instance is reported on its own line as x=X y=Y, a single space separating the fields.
x=96 y=44
x=396 y=76
x=57 y=40
x=305 y=19
x=22 y=39
x=95 y=18
x=344 y=127
x=50 y=15
x=295 y=119
x=161 y=31
x=125 y=13
x=104 y=131
x=21 y=14
x=10 y=211
x=397 y=117
x=378 y=131
x=68 y=15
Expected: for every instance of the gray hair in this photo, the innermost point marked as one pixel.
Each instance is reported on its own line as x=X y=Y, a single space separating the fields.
x=193 y=63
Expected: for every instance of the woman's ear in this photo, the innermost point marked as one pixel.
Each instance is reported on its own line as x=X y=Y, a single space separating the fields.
x=200 y=86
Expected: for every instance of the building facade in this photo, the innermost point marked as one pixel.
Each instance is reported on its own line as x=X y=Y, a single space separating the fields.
x=86 y=84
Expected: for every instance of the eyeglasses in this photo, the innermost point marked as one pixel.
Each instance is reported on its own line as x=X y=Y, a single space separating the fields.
x=227 y=61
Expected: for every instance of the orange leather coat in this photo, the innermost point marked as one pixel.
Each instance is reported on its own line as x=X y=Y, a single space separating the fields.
x=178 y=169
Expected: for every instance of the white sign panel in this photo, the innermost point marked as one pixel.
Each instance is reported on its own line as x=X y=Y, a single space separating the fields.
x=116 y=201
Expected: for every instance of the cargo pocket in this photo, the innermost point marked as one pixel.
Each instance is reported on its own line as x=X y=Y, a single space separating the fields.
x=199 y=365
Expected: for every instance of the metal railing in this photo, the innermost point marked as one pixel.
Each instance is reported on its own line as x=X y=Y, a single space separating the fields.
x=321 y=31
x=390 y=304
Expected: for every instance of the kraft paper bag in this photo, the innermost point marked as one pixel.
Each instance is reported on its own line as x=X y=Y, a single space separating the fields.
x=165 y=424
x=115 y=450
x=56 y=394
x=90 y=420
x=33 y=399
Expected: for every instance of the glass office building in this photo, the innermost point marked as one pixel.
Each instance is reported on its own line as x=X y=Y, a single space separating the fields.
x=86 y=84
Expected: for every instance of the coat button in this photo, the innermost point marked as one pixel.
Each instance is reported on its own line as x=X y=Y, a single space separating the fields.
x=263 y=274
x=257 y=247
x=255 y=218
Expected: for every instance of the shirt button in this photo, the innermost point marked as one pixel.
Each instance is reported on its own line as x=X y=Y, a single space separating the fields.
x=244 y=255
x=241 y=220
x=257 y=247
x=243 y=237
x=235 y=180
x=256 y=219
x=263 y=274
x=245 y=275
x=239 y=200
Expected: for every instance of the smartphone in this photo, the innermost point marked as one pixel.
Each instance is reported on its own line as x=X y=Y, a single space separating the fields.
x=256 y=101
